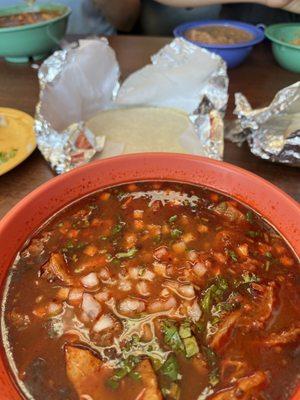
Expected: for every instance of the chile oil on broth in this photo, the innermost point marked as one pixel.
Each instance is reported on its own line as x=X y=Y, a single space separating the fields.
x=154 y=290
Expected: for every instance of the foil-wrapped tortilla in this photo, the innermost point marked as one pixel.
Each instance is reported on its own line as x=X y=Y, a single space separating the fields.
x=273 y=132
x=82 y=81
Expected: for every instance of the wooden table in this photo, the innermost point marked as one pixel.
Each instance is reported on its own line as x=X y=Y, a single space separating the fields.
x=259 y=79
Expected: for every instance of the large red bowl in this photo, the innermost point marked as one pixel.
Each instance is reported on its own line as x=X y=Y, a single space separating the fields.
x=19 y=224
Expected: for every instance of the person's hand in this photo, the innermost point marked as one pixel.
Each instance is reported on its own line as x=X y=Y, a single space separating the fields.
x=289 y=5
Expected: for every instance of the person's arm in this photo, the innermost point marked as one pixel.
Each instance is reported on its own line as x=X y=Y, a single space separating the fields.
x=289 y=5
x=122 y=14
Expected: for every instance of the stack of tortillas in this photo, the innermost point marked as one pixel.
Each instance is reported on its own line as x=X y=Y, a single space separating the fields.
x=142 y=129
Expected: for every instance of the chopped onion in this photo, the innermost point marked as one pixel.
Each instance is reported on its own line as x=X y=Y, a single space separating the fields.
x=162 y=305
x=90 y=281
x=90 y=306
x=104 y=322
x=62 y=293
x=194 y=312
x=102 y=296
x=148 y=275
x=142 y=288
x=199 y=269
x=161 y=253
x=75 y=296
x=130 y=305
x=54 y=309
x=125 y=285
x=134 y=272
x=187 y=290
x=104 y=273
x=192 y=255
x=159 y=268
x=165 y=292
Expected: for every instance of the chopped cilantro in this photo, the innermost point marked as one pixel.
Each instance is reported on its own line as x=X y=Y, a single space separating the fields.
x=249 y=277
x=7 y=155
x=171 y=336
x=212 y=361
x=170 y=368
x=126 y=368
x=214 y=293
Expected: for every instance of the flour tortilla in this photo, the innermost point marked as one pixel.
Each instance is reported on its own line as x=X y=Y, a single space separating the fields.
x=142 y=129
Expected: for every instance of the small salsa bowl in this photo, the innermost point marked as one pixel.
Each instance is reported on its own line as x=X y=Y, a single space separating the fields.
x=233 y=54
x=286 y=53
x=20 y=43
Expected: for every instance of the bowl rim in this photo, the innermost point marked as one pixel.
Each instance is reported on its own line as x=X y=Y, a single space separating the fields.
x=150 y=164
x=20 y=8
x=222 y=165
x=258 y=33
x=269 y=32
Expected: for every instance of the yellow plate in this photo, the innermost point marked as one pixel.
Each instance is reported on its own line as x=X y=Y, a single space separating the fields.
x=17 y=138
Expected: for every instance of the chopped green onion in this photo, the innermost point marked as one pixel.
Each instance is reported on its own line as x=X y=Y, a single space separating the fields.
x=93 y=207
x=253 y=234
x=116 y=229
x=135 y=375
x=176 y=233
x=112 y=383
x=214 y=377
x=249 y=216
x=173 y=218
x=191 y=346
x=128 y=254
x=185 y=330
x=267 y=265
x=232 y=255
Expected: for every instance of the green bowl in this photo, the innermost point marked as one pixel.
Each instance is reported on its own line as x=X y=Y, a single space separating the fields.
x=20 y=43
x=286 y=53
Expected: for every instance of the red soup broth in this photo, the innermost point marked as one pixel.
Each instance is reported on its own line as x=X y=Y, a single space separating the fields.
x=154 y=290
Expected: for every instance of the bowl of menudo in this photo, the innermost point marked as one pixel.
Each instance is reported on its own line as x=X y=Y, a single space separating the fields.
x=31 y=32
x=151 y=276
x=232 y=40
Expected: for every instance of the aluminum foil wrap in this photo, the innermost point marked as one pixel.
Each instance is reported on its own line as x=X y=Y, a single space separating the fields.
x=273 y=132
x=82 y=80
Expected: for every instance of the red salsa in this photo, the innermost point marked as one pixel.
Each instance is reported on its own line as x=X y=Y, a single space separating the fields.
x=154 y=290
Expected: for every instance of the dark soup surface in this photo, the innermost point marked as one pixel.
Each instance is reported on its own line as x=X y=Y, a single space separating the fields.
x=216 y=34
x=154 y=291
x=27 y=18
